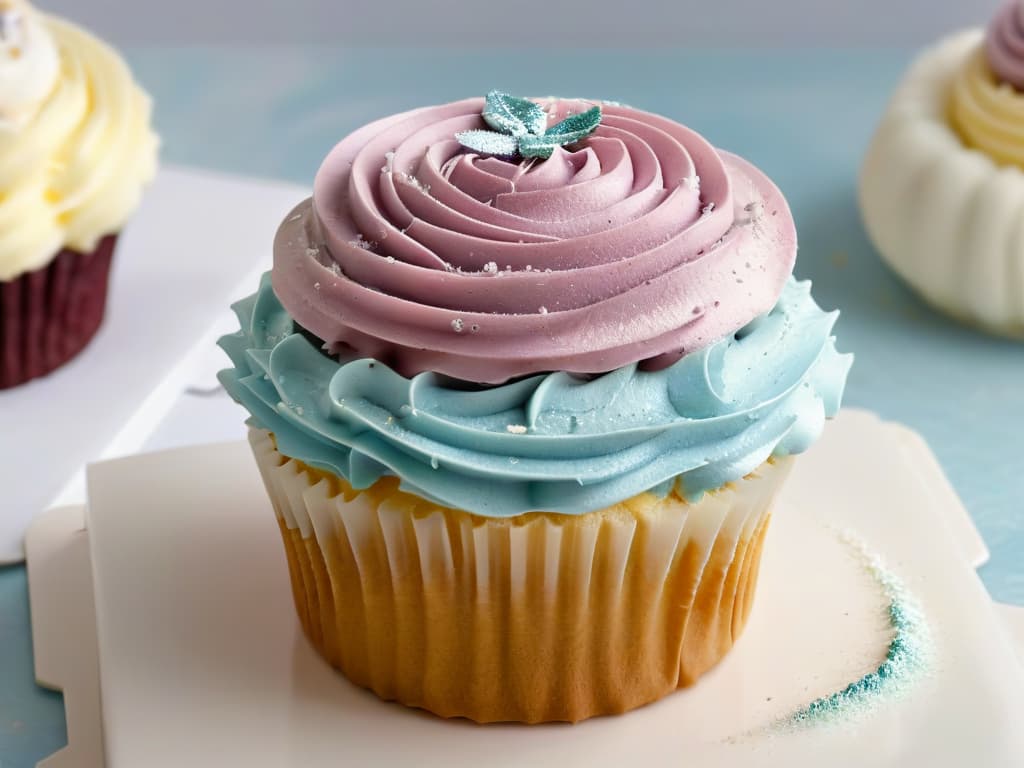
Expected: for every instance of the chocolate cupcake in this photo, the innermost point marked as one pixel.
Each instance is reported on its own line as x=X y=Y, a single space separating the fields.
x=76 y=150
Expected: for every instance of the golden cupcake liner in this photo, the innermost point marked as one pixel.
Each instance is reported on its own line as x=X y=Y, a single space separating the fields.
x=537 y=618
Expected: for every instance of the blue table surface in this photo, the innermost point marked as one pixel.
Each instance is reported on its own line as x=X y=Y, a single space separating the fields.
x=803 y=116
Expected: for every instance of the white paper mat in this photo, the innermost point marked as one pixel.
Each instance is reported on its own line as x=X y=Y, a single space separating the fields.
x=196 y=244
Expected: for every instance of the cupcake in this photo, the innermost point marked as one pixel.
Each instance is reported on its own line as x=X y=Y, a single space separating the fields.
x=524 y=382
x=942 y=187
x=76 y=149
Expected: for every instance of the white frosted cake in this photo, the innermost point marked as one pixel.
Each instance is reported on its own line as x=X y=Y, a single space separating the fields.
x=942 y=187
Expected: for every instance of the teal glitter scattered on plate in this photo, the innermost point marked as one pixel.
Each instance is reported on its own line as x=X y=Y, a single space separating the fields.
x=908 y=656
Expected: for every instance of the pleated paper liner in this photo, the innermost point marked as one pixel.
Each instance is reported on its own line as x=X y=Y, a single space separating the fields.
x=49 y=315
x=537 y=618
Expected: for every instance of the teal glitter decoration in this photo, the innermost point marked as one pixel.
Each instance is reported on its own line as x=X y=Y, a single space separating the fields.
x=489 y=143
x=514 y=116
x=538 y=146
x=569 y=131
x=521 y=128
x=908 y=655
x=575 y=127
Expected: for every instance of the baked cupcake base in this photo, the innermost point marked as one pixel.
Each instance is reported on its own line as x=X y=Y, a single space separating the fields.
x=536 y=618
x=49 y=315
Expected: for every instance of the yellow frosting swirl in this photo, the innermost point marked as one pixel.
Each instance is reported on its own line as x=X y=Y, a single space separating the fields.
x=988 y=114
x=75 y=171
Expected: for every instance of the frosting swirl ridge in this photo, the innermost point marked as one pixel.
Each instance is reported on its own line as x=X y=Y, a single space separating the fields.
x=641 y=244
x=552 y=442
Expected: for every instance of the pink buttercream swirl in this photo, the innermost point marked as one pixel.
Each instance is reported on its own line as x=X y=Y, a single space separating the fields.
x=641 y=244
x=1004 y=44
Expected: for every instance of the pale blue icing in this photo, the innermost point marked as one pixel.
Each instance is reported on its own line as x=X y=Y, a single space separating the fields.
x=709 y=419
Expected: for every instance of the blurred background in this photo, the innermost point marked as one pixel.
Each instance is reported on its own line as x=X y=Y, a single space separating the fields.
x=526 y=23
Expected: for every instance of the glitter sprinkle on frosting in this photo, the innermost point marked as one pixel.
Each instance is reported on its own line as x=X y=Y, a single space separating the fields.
x=907 y=658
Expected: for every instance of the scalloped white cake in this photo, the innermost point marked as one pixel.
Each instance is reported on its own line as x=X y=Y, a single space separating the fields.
x=942 y=186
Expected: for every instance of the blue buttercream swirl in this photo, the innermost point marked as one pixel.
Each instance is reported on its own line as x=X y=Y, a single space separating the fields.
x=551 y=442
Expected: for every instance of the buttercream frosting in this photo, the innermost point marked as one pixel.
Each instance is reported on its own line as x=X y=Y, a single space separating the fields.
x=73 y=171
x=641 y=243
x=986 y=105
x=554 y=442
x=29 y=63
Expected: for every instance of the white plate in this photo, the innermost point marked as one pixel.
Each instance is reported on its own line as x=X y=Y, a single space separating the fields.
x=196 y=244
x=202 y=662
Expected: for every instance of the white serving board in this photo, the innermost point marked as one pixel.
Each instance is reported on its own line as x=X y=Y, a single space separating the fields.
x=197 y=243
x=202 y=662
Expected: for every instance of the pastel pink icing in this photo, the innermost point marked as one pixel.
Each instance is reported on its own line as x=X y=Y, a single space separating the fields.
x=435 y=258
x=1004 y=44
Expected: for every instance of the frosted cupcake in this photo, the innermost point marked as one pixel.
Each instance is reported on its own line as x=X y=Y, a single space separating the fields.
x=76 y=150
x=942 y=188
x=524 y=382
